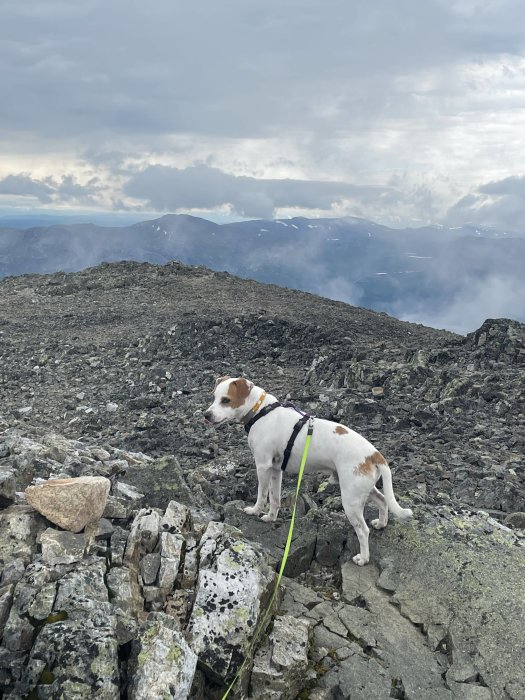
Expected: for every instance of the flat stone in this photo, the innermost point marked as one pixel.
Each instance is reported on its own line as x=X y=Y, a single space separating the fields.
x=82 y=590
x=70 y=503
x=361 y=676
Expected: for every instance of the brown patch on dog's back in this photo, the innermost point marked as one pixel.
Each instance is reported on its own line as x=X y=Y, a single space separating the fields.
x=238 y=392
x=341 y=430
x=368 y=466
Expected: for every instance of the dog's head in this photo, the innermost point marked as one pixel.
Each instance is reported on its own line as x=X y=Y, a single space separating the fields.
x=231 y=400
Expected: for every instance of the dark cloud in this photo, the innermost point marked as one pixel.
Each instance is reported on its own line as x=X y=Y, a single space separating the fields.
x=202 y=187
x=26 y=186
x=232 y=67
x=49 y=190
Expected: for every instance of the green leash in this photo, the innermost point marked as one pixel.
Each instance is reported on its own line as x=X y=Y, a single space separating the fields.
x=264 y=619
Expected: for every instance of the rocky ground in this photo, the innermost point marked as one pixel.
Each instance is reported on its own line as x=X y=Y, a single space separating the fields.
x=120 y=361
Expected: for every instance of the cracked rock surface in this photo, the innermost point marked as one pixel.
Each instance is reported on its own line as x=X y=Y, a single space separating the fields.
x=106 y=374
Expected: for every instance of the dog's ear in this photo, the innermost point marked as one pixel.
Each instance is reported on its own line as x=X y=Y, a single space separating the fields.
x=219 y=381
x=242 y=387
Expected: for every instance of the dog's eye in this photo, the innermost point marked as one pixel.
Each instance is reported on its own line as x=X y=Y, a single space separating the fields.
x=225 y=399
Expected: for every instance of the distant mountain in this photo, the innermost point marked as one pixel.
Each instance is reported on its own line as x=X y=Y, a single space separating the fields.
x=449 y=277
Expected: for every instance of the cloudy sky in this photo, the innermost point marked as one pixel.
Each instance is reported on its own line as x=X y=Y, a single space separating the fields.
x=401 y=111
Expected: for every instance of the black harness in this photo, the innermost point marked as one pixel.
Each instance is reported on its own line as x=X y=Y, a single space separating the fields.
x=305 y=417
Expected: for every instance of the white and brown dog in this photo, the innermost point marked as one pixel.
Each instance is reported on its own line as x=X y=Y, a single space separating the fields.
x=347 y=456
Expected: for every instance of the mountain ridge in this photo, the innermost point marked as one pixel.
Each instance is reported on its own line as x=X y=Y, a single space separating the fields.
x=445 y=277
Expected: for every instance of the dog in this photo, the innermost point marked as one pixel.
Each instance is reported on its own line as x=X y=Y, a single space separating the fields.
x=341 y=452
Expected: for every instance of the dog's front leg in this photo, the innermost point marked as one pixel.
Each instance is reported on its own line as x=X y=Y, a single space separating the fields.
x=276 y=477
x=263 y=475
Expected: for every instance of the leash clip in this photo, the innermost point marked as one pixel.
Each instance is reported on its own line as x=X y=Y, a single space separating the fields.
x=310 y=425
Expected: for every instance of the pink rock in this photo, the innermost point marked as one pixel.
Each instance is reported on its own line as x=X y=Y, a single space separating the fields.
x=70 y=503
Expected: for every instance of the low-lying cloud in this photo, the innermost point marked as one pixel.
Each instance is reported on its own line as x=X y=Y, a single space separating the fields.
x=500 y=204
x=476 y=300
x=165 y=188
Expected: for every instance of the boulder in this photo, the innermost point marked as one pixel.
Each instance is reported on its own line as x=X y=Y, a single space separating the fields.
x=70 y=503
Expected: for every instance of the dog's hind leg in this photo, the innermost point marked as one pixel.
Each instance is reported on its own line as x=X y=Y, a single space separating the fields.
x=353 y=507
x=379 y=500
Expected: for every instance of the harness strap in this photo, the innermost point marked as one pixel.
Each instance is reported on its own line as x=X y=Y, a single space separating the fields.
x=295 y=432
x=263 y=412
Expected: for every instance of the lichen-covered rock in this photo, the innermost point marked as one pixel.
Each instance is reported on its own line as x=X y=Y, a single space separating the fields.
x=76 y=658
x=171 y=547
x=32 y=602
x=460 y=577
x=177 y=517
x=6 y=599
x=70 y=503
x=280 y=665
x=82 y=589
x=233 y=588
x=143 y=536
x=161 y=665
x=19 y=526
x=7 y=487
x=62 y=547
x=123 y=501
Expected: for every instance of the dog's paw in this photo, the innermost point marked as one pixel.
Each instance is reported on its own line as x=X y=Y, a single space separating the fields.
x=252 y=510
x=359 y=560
x=268 y=518
x=377 y=524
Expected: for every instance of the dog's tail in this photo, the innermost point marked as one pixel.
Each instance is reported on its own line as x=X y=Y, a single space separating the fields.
x=388 y=493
